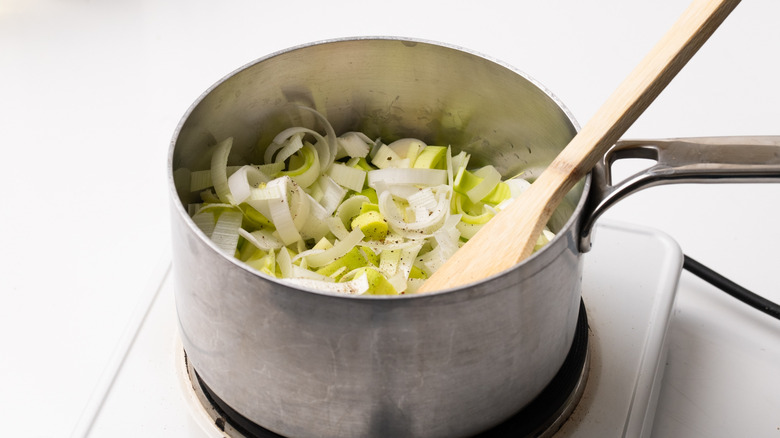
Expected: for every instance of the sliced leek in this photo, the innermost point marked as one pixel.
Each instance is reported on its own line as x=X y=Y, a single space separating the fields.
x=348 y=177
x=309 y=169
x=345 y=214
x=225 y=233
x=219 y=170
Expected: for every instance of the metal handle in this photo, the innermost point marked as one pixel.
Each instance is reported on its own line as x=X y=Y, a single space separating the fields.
x=682 y=160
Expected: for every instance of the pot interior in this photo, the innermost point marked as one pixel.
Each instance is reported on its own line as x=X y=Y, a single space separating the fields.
x=388 y=88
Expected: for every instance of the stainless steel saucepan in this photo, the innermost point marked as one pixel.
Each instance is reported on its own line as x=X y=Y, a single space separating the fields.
x=452 y=363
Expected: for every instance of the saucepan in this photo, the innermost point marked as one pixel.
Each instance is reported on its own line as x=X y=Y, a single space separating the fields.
x=303 y=362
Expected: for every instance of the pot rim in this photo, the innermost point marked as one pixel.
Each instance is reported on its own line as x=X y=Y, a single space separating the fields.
x=179 y=207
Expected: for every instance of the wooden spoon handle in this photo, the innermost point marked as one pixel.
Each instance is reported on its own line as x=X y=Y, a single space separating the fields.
x=510 y=236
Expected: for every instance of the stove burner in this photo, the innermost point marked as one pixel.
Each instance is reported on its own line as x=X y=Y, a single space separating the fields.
x=543 y=417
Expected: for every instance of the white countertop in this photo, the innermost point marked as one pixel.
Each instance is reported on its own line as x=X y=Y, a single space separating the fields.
x=90 y=93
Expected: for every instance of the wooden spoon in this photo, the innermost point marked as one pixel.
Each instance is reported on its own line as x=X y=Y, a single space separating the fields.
x=510 y=236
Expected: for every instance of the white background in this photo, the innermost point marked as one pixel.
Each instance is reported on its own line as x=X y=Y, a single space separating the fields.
x=91 y=91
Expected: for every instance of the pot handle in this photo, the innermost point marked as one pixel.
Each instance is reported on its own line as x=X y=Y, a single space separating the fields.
x=680 y=160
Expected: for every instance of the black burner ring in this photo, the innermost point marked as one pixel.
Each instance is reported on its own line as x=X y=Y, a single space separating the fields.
x=534 y=420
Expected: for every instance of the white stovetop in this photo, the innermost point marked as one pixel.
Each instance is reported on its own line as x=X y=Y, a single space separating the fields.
x=90 y=93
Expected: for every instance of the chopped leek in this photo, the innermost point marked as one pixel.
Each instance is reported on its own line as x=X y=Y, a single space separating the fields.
x=386 y=157
x=349 y=177
x=219 y=170
x=345 y=214
x=225 y=233
x=339 y=249
x=354 y=144
x=309 y=170
x=430 y=157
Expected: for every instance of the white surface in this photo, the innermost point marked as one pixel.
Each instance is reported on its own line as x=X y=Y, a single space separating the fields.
x=628 y=316
x=90 y=93
x=629 y=286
